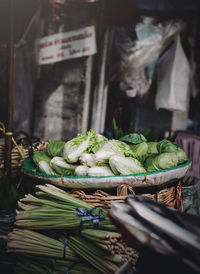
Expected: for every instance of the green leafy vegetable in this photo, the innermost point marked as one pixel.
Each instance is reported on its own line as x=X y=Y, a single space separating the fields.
x=55 y=148
x=133 y=138
x=166 y=146
x=161 y=161
x=62 y=167
x=125 y=165
x=140 y=151
x=118 y=132
x=100 y=141
x=40 y=156
x=152 y=148
x=44 y=167
x=149 y=165
x=83 y=142
x=182 y=157
x=110 y=148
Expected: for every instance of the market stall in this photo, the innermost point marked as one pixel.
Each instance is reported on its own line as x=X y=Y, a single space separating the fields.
x=78 y=171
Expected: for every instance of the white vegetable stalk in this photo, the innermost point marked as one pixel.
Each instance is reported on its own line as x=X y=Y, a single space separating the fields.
x=60 y=162
x=72 y=153
x=125 y=165
x=100 y=137
x=45 y=168
x=87 y=159
x=100 y=171
x=81 y=170
x=109 y=149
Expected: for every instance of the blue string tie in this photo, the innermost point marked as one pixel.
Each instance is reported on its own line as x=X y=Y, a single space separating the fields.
x=65 y=245
x=87 y=215
x=70 y=268
x=53 y=262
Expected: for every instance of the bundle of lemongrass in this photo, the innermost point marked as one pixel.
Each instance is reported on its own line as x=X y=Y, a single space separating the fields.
x=75 y=249
x=110 y=241
x=53 y=208
x=92 y=240
x=40 y=265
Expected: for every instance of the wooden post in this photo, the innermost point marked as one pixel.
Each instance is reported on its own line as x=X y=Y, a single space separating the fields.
x=9 y=126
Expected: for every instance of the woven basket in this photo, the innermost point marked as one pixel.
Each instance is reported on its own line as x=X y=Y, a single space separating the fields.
x=169 y=194
x=16 y=158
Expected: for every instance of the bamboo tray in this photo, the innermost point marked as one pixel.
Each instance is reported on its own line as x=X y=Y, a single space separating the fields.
x=107 y=182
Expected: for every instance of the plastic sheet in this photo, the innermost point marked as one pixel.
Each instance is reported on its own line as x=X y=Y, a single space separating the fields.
x=173 y=79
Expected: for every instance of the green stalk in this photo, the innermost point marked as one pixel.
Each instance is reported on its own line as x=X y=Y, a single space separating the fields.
x=101 y=234
x=59 y=194
x=101 y=265
x=91 y=248
x=35 y=243
x=43 y=265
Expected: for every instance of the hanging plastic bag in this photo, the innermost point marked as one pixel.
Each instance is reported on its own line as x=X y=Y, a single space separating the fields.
x=138 y=57
x=145 y=30
x=173 y=79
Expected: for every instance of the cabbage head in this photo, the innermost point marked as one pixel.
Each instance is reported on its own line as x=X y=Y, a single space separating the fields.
x=149 y=165
x=55 y=148
x=125 y=165
x=162 y=161
x=182 y=157
x=83 y=142
x=166 y=146
x=40 y=156
x=62 y=167
x=100 y=141
x=152 y=148
x=139 y=151
x=110 y=148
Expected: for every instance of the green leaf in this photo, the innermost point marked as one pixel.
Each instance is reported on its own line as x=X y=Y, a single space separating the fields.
x=133 y=138
x=118 y=132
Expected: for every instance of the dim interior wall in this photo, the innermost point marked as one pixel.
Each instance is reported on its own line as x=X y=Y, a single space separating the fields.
x=24 y=78
x=63 y=96
x=59 y=101
x=3 y=84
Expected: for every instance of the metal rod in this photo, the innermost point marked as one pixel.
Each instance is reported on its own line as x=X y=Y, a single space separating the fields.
x=9 y=126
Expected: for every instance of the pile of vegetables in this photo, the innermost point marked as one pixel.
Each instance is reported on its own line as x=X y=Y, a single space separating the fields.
x=91 y=154
x=57 y=228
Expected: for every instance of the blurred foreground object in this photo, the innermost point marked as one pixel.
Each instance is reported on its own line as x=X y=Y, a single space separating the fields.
x=167 y=239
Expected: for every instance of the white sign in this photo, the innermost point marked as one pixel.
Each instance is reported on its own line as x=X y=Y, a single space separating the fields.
x=67 y=45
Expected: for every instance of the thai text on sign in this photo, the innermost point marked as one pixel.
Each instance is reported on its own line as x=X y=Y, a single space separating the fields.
x=66 y=45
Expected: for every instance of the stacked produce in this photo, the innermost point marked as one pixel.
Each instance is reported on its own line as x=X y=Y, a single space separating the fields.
x=91 y=154
x=42 y=265
x=55 y=209
x=54 y=226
